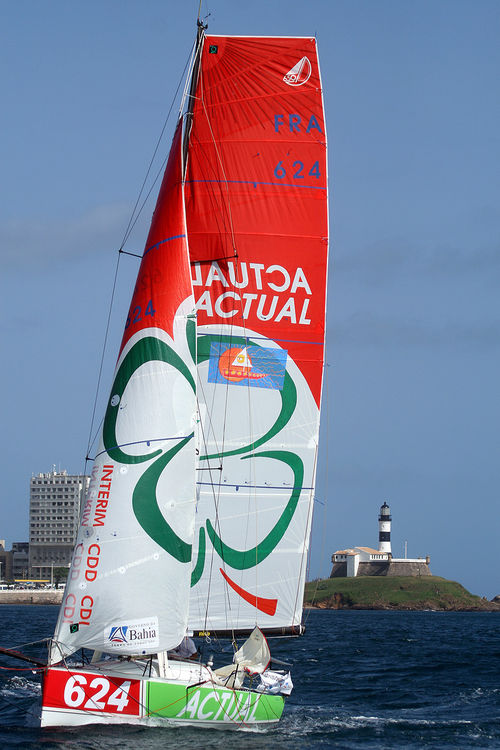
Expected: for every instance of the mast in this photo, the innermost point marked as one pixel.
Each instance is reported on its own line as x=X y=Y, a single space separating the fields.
x=188 y=121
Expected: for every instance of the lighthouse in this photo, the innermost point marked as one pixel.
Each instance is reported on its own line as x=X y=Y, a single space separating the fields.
x=384 y=529
x=366 y=561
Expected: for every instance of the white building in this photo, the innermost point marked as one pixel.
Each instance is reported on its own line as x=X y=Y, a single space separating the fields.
x=356 y=555
x=55 y=502
x=365 y=561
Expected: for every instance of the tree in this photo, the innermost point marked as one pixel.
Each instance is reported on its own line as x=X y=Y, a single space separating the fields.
x=60 y=574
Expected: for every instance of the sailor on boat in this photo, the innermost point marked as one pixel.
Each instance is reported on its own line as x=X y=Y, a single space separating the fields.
x=185 y=650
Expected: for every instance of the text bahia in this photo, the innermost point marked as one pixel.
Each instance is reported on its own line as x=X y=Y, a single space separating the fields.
x=141 y=635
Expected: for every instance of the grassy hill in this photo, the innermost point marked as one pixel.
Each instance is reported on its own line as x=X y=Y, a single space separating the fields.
x=393 y=592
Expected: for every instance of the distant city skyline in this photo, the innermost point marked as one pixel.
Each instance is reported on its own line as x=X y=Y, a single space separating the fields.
x=56 y=499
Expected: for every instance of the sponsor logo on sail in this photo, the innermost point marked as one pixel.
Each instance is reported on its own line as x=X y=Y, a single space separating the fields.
x=236 y=364
x=118 y=634
x=253 y=366
x=299 y=74
x=261 y=288
x=133 y=636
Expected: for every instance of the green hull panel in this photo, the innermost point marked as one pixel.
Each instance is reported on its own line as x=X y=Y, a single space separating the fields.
x=212 y=704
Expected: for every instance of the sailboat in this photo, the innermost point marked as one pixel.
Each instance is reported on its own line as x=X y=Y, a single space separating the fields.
x=199 y=509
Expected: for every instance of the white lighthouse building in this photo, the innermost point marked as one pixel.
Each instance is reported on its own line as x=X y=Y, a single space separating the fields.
x=366 y=561
x=384 y=529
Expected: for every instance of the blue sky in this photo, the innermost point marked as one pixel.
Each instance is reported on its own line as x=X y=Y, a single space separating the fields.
x=412 y=98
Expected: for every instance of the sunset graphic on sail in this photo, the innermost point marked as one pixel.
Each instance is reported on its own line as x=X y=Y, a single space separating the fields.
x=247 y=365
x=235 y=365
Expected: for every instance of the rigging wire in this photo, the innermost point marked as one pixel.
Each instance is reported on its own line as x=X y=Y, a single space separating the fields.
x=219 y=158
x=326 y=485
x=220 y=450
x=101 y=366
x=136 y=212
x=133 y=218
x=307 y=535
x=227 y=219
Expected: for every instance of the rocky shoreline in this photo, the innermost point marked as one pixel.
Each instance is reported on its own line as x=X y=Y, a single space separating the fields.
x=31 y=596
x=404 y=593
x=337 y=602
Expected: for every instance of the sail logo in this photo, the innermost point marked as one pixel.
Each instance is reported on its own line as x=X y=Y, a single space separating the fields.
x=135 y=635
x=223 y=706
x=118 y=634
x=299 y=74
x=235 y=365
x=251 y=366
x=255 y=302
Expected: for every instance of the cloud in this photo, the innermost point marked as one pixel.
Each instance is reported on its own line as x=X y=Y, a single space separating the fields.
x=365 y=329
x=37 y=241
x=385 y=259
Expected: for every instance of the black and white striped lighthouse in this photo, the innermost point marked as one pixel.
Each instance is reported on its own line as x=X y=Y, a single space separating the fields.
x=384 y=529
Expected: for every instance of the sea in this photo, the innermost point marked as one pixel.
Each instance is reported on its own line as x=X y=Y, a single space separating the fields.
x=362 y=679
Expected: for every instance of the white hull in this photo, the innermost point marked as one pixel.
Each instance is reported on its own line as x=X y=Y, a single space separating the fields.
x=55 y=718
x=122 y=692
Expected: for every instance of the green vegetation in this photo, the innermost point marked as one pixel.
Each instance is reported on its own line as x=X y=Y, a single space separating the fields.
x=60 y=574
x=393 y=592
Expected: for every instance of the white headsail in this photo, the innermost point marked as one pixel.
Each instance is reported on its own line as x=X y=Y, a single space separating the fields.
x=129 y=580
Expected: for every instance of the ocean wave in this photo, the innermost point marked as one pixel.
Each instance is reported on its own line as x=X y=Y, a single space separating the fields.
x=19 y=687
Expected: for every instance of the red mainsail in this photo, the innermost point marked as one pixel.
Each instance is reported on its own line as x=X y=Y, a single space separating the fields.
x=256 y=193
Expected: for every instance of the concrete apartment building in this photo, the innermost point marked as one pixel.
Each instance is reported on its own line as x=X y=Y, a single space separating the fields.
x=14 y=563
x=56 y=498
